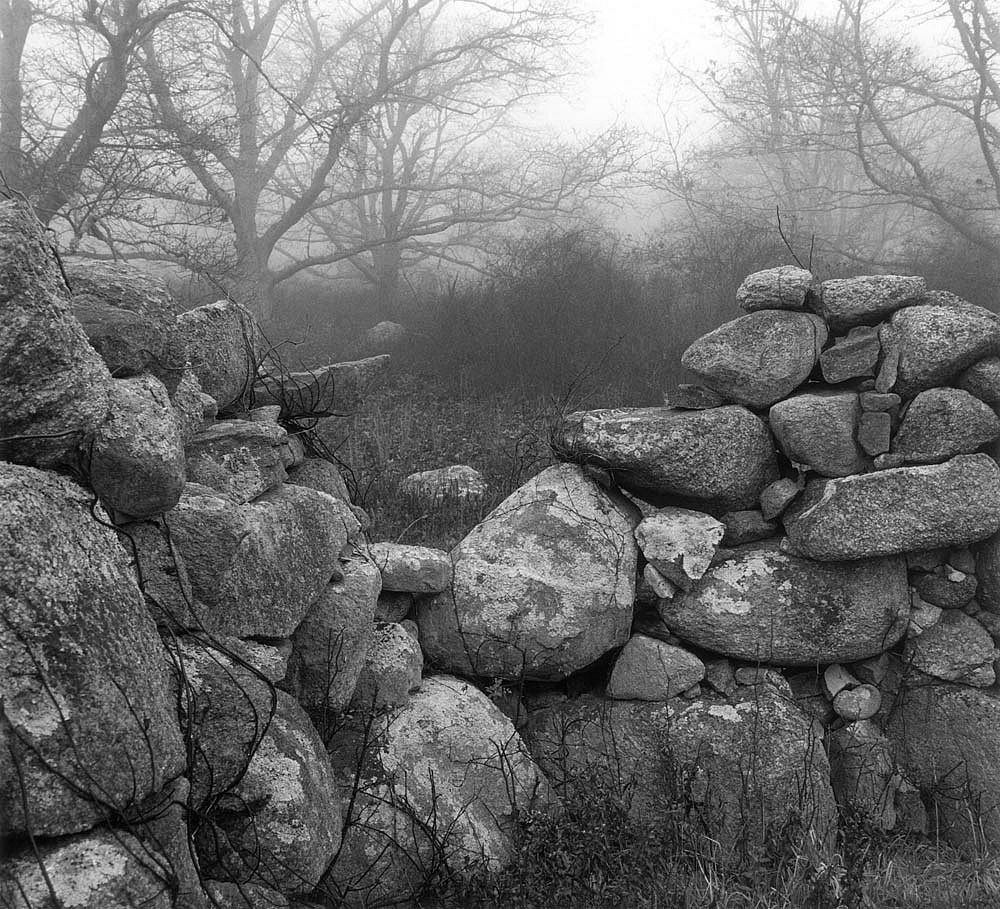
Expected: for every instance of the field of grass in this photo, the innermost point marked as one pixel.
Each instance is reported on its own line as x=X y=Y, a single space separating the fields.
x=592 y=855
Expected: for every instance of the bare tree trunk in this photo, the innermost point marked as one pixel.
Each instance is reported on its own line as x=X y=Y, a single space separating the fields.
x=252 y=285
x=15 y=21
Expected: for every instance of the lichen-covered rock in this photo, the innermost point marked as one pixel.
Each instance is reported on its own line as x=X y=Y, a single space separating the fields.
x=721 y=458
x=651 y=670
x=130 y=318
x=542 y=587
x=945 y=740
x=55 y=386
x=784 y=287
x=258 y=567
x=99 y=869
x=764 y=605
x=897 y=510
x=760 y=358
x=943 y=422
x=982 y=379
x=863 y=774
x=817 y=431
x=936 y=342
x=392 y=669
x=330 y=645
x=318 y=473
x=955 y=649
x=411 y=569
x=337 y=389
x=867 y=299
x=192 y=407
x=280 y=825
x=456 y=483
x=680 y=544
x=162 y=574
x=224 y=347
x=742 y=766
x=444 y=781
x=86 y=713
x=241 y=458
x=137 y=458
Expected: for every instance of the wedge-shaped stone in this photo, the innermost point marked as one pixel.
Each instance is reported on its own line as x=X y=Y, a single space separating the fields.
x=936 y=342
x=722 y=457
x=680 y=544
x=866 y=299
x=898 y=510
x=943 y=422
x=761 y=604
x=648 y=669
x=817 y=430
x=542 y=587
x=759 y=358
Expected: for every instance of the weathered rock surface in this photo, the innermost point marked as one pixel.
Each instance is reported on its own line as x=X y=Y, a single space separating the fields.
x=241 y=458
x=130 y=318
x=955 y=649
x=982 y=379
x=161 y=573
x=944 y=736
x=784 y=287
x=943 y=422
x=863 y=774
x=384 y=337
x=851 y=357
x=392 y=669
x=817 y=430
x=542 y=587
x=137 y=458
x=318 y=473
x=897 y=510
x=777 y=496
x=867 y=299
x=257 y=568
x=747 y=526
x=680 y=544
x=86 y=715
x=950 y=590
x=744 y=764
x=330 y=645
x=337 y=389
x=411 y=569
x=280 y=825
x=651 y=670
x=456 y=483
x=875 y=433
x=224 y=348
x=761 y=604
x=693 y=397
x=936 y=342
x=100 y=869
x=759 y=358
x=722 y=457
x=192 y=407
x=55 y=386
x=446 y=777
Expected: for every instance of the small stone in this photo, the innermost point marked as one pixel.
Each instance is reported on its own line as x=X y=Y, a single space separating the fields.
x=872 y=671
x=692 y=693
x=679 y=543
x=888 y=461
x=393 y=606
x=412 y=569
x=720 y=676
x=455 y=483
x=922 y=616
x=748 y=526
x=664 y=588
x=955 y=649
x=938 y=590
x=777 y=497
x=875 y=432
x=982 y=379
x=836 y=678
x=762 y=675
x=877 y=402
x=860 y=703
x=784 y=287
x=888 y=372
x=391 y=671
x=693 y=397
x=962 y=560
x=867 y=299
x=651 y=670
x=926 y=559
x=943 y=422
x=817 y=430
x=851 y=357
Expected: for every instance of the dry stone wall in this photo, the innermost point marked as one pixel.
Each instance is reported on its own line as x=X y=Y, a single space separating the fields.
x=775 y=596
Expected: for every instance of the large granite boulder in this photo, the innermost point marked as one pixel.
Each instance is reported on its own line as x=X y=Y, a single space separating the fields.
x=334 y=390
x=900 y=510
x=99 y=869
x=542 y=587
x=742 y=768
x=945 y=739
x=84 y=700
x=936 y=342
x=763 y=605
x=867 y=299
x=817 y=431
x=943 y=422
x=330 y=645
x=760 y=358
x=455 y=483
x=55 y=386
x=784 y=287
x=136 y=458
x=441 y=781
x=720 y=458
x=130 y=318
x=224 y=347
x=241 y=458
x=257 y=568
x=280 y=824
